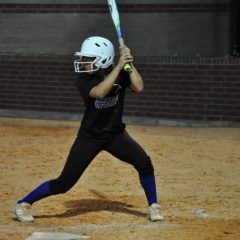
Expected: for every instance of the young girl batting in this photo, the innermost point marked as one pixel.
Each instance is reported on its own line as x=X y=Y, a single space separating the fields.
x=102 y=86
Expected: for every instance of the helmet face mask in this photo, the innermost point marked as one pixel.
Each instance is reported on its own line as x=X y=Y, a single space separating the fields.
x=95 y=53
x=86 y=64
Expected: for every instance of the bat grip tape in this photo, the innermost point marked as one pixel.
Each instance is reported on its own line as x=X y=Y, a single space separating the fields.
x=121 y=42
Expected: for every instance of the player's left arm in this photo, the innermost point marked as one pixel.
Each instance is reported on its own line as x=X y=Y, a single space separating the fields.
x=136 y=81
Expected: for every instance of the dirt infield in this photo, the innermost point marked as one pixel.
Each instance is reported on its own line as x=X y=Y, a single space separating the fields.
x=196 y=168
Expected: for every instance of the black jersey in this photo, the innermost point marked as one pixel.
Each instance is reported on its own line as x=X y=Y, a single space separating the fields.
x=103 y=117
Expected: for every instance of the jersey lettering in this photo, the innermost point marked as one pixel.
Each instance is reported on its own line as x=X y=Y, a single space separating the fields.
x=109 y=101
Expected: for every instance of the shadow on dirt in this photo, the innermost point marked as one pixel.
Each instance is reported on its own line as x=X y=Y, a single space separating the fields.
x=83 y=206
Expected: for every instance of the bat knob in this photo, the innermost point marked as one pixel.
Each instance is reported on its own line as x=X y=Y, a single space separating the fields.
x=127 y=67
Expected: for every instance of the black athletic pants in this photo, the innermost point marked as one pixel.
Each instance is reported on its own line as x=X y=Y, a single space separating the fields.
x=83 y=152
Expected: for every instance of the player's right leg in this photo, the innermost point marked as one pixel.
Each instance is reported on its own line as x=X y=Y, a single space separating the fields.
x=80 y=156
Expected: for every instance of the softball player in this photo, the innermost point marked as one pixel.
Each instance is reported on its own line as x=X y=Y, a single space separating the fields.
x=102 y=87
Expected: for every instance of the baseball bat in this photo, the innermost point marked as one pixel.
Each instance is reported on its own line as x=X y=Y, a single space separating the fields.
x=116 y=20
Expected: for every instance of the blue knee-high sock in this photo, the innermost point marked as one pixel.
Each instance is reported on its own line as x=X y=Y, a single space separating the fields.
x=40 y=192
x=149 y=185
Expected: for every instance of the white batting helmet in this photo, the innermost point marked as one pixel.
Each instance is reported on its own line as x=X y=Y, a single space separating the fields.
x=99 y=48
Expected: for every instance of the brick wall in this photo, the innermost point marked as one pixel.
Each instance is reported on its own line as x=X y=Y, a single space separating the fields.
x=201 y=83
x=175 y=88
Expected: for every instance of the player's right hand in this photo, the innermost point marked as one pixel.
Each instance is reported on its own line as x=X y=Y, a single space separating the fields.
x=124 y=50
x=124 y=59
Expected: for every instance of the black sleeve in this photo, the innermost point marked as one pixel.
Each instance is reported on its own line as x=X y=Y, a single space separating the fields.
x=124 y=79
x=85 y=83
